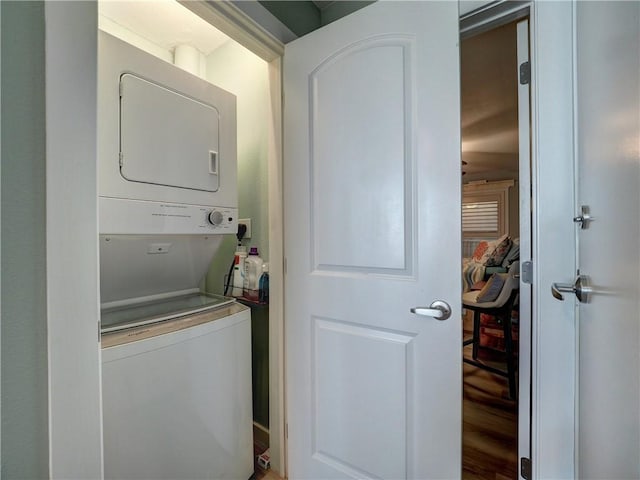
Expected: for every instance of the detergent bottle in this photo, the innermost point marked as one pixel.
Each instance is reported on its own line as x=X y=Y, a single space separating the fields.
x=252 y=272
x=237 y=288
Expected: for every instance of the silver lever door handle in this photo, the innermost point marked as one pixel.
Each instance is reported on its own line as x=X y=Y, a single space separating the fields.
x=581 y=288
x=439 y=310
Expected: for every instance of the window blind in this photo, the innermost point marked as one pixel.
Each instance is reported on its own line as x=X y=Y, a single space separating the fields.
x=480 y=216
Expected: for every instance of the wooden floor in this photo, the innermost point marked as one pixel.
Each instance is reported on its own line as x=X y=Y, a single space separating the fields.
x=266 y=474
x=490 y=427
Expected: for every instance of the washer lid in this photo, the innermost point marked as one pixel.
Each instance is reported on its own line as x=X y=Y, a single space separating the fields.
x=145 y=313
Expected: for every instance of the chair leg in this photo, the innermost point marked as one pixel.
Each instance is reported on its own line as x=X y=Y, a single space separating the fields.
x=508 y=343
x=476 y=334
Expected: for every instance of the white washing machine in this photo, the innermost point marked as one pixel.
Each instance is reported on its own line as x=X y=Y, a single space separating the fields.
x=177 y=394
x=176 y=362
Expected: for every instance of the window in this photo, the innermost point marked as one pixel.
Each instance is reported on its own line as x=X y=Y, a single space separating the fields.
x=485 y=209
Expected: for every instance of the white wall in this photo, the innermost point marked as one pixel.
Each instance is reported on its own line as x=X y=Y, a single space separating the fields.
x=133 y=38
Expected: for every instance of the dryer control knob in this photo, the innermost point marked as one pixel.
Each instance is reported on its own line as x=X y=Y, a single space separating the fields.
x=215 y=218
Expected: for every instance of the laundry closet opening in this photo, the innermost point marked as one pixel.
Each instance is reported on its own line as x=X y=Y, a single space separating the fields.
x=170 y=32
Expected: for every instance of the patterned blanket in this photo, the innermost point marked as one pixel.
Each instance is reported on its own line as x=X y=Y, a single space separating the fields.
x=472 y=272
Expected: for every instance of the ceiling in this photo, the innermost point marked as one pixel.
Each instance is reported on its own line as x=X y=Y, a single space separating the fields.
x=165 y=23
x=489 y=95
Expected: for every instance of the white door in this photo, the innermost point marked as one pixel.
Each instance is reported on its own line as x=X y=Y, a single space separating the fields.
x=608 y=146
x=372 y=229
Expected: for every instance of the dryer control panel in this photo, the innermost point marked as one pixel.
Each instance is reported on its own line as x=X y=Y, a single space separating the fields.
x=139 y=217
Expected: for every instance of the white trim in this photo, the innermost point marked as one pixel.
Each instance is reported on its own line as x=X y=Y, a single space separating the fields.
x=277 y=440
x=554 y=330
x=75 y=420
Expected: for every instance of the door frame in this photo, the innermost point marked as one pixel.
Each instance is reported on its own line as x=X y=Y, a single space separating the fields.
x=476 y=23
x=554 y=336
x=554 y=330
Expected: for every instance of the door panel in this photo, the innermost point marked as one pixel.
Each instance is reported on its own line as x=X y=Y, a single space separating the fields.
x=362 y=165
x=608 y=136
x=342 y=352
x=372 y=228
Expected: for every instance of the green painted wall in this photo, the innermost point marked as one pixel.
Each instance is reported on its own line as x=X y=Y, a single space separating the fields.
x=301 y=17
x=24 y=324
x=339 y=9
x=235 y=69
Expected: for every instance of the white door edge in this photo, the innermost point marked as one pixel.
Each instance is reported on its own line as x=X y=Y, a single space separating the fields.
x=553 y=249
x=524 y=183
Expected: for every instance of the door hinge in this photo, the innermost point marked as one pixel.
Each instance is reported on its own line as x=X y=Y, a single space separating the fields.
x=525 y=73
x=525 y=468
x=526 y=272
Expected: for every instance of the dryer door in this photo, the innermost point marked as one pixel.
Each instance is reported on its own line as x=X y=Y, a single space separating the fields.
x=167 y=138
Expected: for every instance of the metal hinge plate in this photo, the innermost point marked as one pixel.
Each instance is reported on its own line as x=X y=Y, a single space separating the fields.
x=525 y=468
x=526 y=272
x=525 y=73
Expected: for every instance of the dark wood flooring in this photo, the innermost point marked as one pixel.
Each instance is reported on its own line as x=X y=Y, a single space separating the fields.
x=489 y=426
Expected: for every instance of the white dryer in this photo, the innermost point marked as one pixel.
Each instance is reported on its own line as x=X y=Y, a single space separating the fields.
x=167 y=159
x=176 y=374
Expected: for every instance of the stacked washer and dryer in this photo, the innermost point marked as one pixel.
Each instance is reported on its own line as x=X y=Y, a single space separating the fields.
x=176 y=362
